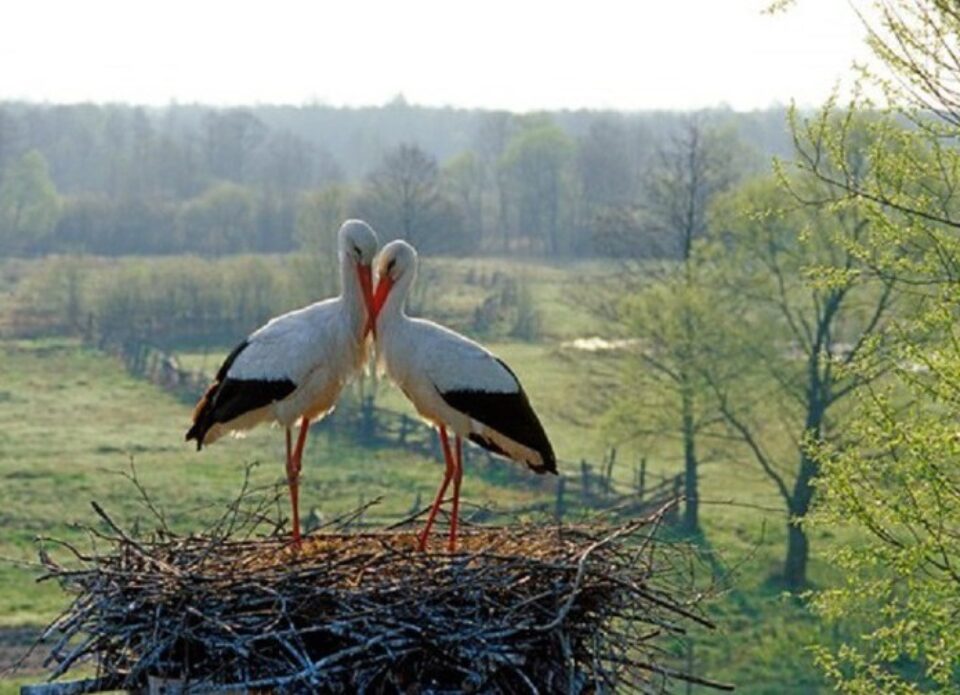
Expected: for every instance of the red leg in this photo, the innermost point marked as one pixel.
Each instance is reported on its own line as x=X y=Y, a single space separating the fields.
x=457 y=478
x=448 y=474
x=293 y=477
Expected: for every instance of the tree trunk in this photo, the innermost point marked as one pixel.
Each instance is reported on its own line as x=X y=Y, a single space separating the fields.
x=798 y=551
x=798 y=545
x=691 y=510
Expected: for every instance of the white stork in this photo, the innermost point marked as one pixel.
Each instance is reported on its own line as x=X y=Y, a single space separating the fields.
x=453 y=383
x=294 y=367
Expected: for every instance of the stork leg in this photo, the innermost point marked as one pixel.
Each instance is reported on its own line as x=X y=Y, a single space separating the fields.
x=293 y=476
x=457 y=479
x=292 y=485
x=448 y=474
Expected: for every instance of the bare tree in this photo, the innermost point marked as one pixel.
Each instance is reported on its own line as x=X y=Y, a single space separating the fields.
x=231 y=137
x=406 y=189
x=491 y=141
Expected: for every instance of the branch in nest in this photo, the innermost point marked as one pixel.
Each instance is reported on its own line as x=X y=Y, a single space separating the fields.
x=519 y=609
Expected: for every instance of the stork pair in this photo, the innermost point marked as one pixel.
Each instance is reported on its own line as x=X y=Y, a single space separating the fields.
x=294 y=368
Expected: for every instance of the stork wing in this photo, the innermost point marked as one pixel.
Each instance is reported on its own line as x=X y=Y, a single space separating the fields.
x=265 y=368
x=480 y=385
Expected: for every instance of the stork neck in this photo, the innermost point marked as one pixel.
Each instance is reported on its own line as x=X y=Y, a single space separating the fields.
x=351 y=293
x=395 y=307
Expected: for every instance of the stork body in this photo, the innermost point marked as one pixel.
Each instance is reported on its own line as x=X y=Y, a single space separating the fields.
x=294 y=367
x=453 y=382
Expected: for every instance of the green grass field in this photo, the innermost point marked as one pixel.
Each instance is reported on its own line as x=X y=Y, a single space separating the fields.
x=72 y=419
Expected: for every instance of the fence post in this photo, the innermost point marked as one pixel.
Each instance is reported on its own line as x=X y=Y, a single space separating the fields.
x=88 y=330
x=608 y=483
x=642 y=480
x=367 y=419
x=404 y=424
x=585 y=480
x=673 y=517
x=561 y=503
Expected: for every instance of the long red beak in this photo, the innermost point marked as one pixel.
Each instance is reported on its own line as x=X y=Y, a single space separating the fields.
x=379 y=299
x=365 y=276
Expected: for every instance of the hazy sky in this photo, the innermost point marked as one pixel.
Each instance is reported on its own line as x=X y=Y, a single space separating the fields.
x=515 y=54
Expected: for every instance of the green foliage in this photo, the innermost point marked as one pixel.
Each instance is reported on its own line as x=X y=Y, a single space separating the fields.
x=900 y=485
x=186 y=299
x=221 y=220
x=814 y=307
x=894 y=479
x=537 y=165
x=29 y=204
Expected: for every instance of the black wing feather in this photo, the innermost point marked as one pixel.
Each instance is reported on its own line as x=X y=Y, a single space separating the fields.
x=226 y=399
x=510 y=414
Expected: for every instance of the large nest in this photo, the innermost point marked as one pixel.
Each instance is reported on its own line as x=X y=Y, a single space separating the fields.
x=528 y=608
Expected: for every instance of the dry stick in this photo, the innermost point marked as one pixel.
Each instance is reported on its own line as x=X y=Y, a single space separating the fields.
x=528 y=590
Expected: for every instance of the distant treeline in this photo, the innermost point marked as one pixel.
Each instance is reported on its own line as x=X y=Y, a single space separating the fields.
x=119 y=179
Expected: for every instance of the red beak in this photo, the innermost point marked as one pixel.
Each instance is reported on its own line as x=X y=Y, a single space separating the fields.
x=365 y=276
x=379 y=299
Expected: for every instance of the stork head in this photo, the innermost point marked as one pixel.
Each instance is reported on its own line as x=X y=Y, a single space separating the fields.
x=358 y=245
x=396 y=260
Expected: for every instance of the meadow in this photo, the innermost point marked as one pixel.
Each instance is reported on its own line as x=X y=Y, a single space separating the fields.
x=72 y=421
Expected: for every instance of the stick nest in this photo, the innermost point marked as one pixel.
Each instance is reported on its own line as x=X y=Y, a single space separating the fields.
x=527 y=608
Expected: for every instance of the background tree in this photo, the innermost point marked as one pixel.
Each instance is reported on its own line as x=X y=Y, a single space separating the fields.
x=403 y=198
x=536 y=163
x=114 y=160
x=814 y=309
x=465 y=180
x=231 y=138
x=490 y=141
x=684 y=348
x=402 y=193
x=29 y=204
x=319 y=216
x=678 y=328
x=219 y=221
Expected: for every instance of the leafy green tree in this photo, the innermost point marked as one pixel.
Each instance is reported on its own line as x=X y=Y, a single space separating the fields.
x=685 y=348
x=221 y=220
x=537 y=163
x=815 y=308
x=465 y=180
x=29 y=204
x=896 y=484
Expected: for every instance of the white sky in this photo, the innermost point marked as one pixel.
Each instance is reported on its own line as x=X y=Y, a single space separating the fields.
x=514 y=54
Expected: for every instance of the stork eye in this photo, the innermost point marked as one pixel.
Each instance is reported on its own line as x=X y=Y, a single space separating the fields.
x=391 y=264
x=356 y=250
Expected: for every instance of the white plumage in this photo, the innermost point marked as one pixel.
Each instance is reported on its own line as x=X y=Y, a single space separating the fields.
x=317 y=348
x=294 y=367
x=452 y=381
